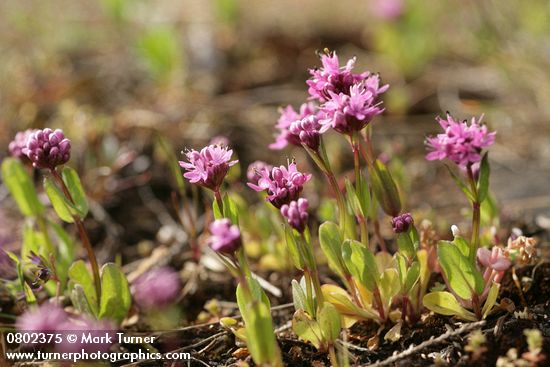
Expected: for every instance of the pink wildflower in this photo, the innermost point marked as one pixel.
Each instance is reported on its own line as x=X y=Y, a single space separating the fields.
x=351 y=112
x=287 y=118
x=254 y=169
x=209 y=166
x=331 y=78
x=18 y=145
x=494 y=259
x=47 y=148
x=225 y=237
x=296 y=214
x=283 y=184
x=461 y=143
x=46 y=318
x=157 y=288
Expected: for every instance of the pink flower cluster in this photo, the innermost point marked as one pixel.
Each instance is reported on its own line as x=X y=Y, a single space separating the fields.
x=495 y=263
x=254 y=169
x=49 y=318
x=296 y=214
x=45 y=148
x=209 y=166
x=157 y=288
x=18 y=145
x=283 y=184
x=351 y=112
x=290 y=126
x=225 y=237
x=461 y=142
x=402 y=223
x=348 y=101
x=332 y=79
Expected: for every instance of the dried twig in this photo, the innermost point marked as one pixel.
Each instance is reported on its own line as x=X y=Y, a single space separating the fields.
x=428 y=343
x=201 y=342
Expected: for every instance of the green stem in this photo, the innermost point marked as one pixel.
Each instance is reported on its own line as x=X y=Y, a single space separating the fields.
x=332 y=355
x=219 y=200
x=367 y=156
x=83 y=235
x=476 y=217
x=312 y=267
x=380 y=305
x=309 y=289
x=355 y=146
x=364 y=231
x=353 y=290
x=321 y=159
x=44 y=229
x=243 y=275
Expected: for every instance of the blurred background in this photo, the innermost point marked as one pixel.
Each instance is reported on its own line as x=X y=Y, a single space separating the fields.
x=116 y=73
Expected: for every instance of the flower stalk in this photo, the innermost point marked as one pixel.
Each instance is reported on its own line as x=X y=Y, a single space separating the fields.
x=476 y=217
x=82 y=233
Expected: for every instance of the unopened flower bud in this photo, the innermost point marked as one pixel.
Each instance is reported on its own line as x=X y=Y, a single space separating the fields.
x=296 y=214
x=225 y=237
x=48 y=148
x=402 y=223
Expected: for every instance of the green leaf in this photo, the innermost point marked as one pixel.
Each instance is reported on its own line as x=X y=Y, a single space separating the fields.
x=342 y=301
x=62 y=206
x=389 y=286
x=364 y=196
x=79 y=274
x=306 y=328
x=413 y=275
x=217 y=210
x=415 y=237
x=461 y=184
x=483 y=183
x=80 y=301
x=33 y=241
x=384 y=261
x=115 y=300
x=230 y=209
x=491 y=299
x=330 y=322
x=256 y=315
x=445 y=303
x=353 y=200
x=72 y=181
x=385 y=189
x=65 y=251
x=293 y=248
x=462 y=275
x=331 y=244
x=462 y=244
x=29 y=294
x=405 y=245
x=260 y=338
x=361 y=263
x=401 y=267
x=299 y=297
x=21 y=187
